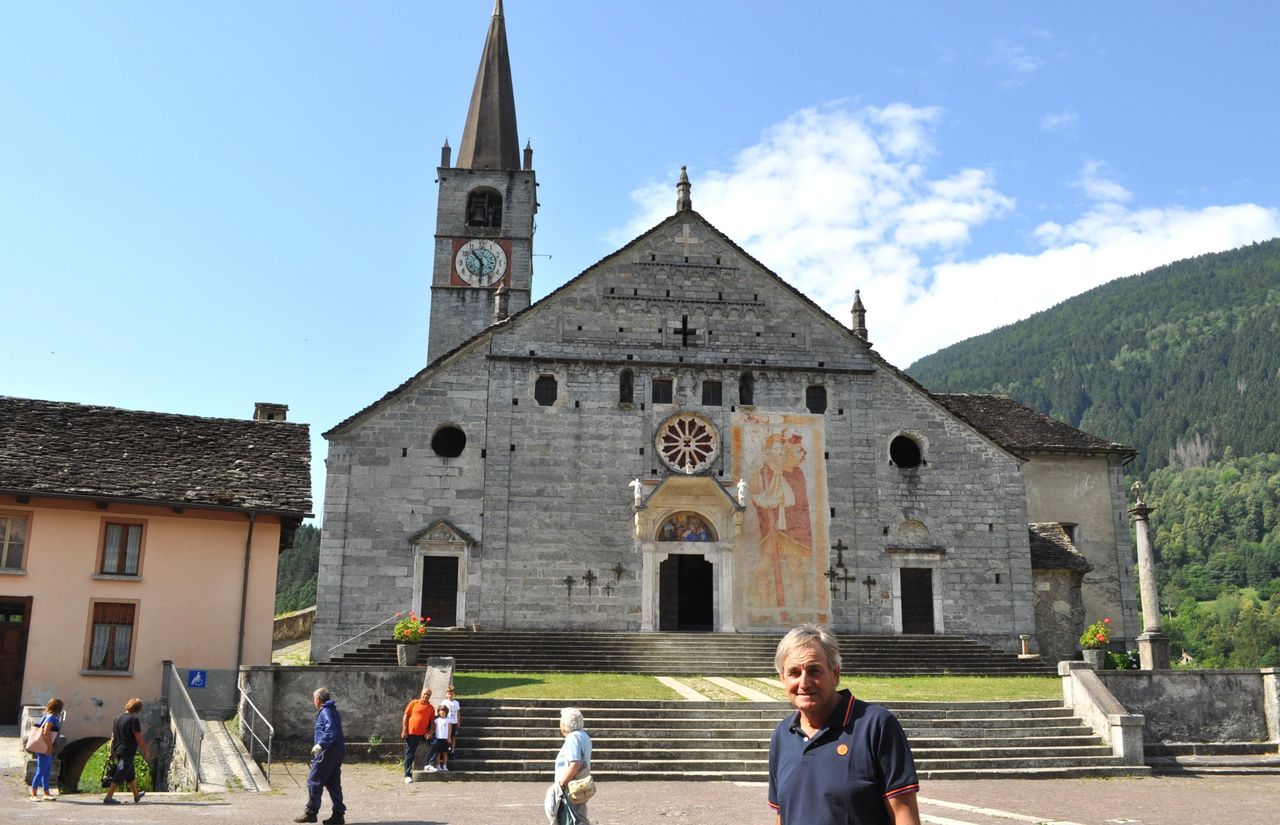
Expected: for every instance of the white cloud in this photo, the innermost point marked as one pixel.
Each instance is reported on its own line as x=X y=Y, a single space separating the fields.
x=1060 y=121
x=834 y=200
x=1095 y=180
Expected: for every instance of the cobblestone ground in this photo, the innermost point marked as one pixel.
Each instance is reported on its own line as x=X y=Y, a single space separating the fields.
x=376 y=794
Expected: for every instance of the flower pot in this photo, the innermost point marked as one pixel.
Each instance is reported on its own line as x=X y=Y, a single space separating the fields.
x=1095 y=657
x=406 y=653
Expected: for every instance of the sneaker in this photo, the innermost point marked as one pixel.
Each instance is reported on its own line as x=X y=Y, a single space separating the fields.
x=336 y=819
x=429 y=768
x=408 y=780
x=444 y=767
x=111 y=800
x=306 y=817
x=138 y=797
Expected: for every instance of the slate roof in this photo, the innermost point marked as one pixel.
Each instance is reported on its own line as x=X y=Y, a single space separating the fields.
x=1051 y=549
x=1021 y=429
x=64 y=449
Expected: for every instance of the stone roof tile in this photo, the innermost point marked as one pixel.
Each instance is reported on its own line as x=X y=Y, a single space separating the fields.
x=1021 y=429
x=1052 y=549
x=65 y=449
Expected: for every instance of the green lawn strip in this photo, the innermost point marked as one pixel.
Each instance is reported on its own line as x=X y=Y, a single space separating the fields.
x=953 y=688
x=566 y=686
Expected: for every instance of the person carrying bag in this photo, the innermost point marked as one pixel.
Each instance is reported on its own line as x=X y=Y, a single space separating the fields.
x=566 y=801
x=40 y=742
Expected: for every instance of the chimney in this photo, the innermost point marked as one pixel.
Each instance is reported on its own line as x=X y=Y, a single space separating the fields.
x=266 y=411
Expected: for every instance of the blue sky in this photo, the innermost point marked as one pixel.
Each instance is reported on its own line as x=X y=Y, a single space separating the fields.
x=206 y=204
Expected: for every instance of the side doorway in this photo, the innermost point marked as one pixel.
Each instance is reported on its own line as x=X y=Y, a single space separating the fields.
x=15 y=622
x=440 y=590
x=917 y=599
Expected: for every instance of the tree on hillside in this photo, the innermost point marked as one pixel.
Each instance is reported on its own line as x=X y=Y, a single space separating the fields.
x=297 y=569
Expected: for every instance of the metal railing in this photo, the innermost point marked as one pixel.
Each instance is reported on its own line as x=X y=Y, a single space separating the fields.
x=250 y=723
x=185 y=720
x=367 y=631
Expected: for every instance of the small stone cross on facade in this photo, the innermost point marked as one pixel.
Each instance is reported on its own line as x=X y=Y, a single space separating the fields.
x=685 y=331
x=590 y=578
x=685 y=239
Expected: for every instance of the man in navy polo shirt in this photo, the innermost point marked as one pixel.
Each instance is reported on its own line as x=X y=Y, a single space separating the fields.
x=837 y=759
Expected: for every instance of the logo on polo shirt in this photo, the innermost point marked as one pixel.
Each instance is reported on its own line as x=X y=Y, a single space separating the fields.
x=842 y=749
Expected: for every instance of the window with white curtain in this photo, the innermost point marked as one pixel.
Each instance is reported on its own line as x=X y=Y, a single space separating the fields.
x=111 y=643
x=121 y=548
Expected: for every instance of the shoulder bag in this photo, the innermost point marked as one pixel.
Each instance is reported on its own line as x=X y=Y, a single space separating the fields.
x=37 y=742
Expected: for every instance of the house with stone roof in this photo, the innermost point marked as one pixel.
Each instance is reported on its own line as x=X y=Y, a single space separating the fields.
x=129 y=538
x=677 y=439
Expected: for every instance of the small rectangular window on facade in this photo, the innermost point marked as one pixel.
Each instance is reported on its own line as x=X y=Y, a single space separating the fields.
x=111 y=637
x=545 y=390
x=815 y=399
x=121 y=549
x=662 y=390
x=711 y=394
x=13 y=541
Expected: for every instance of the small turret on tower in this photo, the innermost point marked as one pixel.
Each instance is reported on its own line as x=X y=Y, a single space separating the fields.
x=684 y=201
x=859 y=315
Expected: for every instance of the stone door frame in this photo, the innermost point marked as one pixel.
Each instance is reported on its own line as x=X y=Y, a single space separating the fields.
x=442 y=539
x=926 y=558
x=718 y=553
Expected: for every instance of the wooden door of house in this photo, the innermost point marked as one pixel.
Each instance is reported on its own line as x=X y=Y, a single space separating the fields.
x=15 y=619
x=440 y=590
x=917 y=599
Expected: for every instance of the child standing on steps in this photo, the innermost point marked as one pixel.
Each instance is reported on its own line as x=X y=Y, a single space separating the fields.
x=455 y=717
x=440 y=741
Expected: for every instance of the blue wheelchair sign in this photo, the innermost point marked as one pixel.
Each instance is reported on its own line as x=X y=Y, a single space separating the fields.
x=197 y=678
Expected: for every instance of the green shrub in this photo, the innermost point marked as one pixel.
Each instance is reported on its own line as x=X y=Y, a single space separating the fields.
x=91 y=776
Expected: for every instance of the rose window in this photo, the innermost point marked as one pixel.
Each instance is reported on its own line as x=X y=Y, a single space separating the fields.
x=687 y=443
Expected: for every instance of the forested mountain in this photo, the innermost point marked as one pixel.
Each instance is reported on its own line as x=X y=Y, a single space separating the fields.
x=296 y=571
x=1181 y=362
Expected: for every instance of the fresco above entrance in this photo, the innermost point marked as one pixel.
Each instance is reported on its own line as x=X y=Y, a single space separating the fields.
x=686 y=527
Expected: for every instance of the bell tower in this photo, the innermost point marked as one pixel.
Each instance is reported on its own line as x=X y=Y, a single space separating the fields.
x=484 y=219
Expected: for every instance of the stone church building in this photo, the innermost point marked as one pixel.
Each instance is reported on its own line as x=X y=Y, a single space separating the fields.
x=677 y=439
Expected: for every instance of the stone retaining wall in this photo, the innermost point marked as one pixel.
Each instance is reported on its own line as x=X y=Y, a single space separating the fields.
x=1201 y=705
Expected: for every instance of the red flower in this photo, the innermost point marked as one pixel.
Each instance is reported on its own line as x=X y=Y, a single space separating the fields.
x=1106 y=621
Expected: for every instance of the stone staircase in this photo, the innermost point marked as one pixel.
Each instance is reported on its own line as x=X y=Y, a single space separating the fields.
x=686 y=654
x=650 y=740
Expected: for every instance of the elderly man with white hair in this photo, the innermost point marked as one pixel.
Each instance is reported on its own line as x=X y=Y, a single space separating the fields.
x=837 y=759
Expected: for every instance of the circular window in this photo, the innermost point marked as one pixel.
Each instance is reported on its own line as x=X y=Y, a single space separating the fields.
x=687 y=443
x=449 y=441
x=904 y=452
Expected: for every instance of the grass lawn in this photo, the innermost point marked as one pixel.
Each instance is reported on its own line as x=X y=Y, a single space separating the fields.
x=567 y=686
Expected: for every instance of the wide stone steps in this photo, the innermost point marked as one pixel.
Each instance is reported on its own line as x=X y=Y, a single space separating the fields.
x=637 y=740
x=743 y=654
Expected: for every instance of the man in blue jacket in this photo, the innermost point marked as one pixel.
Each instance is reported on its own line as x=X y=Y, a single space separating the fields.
x=326 y=761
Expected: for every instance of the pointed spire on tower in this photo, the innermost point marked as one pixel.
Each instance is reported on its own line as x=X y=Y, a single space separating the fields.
x=489 y=140
x=859 y=315
x=684 y=201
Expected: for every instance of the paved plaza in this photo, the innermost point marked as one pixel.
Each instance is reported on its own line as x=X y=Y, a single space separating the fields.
x=376 y=794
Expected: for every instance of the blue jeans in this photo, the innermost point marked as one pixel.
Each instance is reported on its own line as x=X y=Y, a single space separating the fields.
x=44 y=768
x=326 y=774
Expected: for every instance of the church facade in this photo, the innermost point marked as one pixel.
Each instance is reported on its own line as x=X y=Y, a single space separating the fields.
x=677 y=439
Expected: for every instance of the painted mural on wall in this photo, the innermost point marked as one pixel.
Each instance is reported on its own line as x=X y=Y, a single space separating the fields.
x=686 y=527
x=784 y=533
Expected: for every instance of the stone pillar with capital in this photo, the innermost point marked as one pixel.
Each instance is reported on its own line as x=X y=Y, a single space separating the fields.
x=1153 y=643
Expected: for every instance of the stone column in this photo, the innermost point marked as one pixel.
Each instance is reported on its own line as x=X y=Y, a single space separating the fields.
x=1153 y=643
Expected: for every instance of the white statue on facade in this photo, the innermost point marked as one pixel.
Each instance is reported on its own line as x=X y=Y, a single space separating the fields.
x=636 y=489
x=742 y=492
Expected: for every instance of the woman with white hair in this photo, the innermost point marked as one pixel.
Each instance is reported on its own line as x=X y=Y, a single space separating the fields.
x=573 y=762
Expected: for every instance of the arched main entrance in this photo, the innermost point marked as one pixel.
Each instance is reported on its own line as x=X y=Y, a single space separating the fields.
x=686 y=595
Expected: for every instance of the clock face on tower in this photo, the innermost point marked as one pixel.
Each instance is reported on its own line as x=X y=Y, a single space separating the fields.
x=480 y=262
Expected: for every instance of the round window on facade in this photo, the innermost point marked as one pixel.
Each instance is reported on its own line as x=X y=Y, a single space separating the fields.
x=904 y=452
x=687 y=443
x=449 y=441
